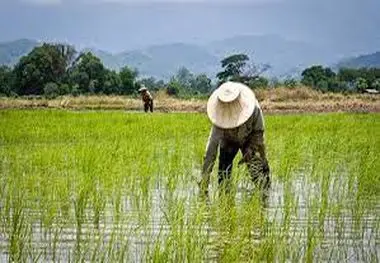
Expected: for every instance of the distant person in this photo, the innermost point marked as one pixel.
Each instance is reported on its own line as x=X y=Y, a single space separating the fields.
x=146 y=98
x=238 y=124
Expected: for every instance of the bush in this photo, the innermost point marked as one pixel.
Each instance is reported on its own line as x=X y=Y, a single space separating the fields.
x=51 y=90
x=322 y=85
x=338 y=86
x=361 y=84
x=173 y=88
x=290 y=83
x=64 y=89
x=259 y=82
x=376 y=84
x=75 y=91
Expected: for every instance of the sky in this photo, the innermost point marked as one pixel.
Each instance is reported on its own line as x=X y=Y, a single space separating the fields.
x=351 y=26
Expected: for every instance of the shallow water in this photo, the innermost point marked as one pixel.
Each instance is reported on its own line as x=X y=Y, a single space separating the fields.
x=346 y=236
x=79 y=187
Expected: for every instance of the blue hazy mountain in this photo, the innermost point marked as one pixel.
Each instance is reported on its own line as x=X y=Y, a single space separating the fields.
x=10 y=52
x=363 y=61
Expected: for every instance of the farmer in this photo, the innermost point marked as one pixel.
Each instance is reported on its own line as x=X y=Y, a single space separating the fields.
x=238 y=124
x=146 y=98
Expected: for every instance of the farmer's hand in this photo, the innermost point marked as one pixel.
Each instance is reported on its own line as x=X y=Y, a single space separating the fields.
x=246 y=158
x=266 y=168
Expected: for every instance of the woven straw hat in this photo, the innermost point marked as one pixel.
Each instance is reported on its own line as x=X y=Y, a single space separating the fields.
x=231 y=105
x=143 y=88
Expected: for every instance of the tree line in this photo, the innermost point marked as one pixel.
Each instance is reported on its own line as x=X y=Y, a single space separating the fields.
x=57 y=69
x=345 y=80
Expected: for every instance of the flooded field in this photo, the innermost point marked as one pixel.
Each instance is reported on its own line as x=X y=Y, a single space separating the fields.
x=122 y=187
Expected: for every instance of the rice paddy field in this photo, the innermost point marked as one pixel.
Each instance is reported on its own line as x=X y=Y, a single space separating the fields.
x=97 y=186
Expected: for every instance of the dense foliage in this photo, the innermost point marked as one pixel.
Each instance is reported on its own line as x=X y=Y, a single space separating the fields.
x=57 y=69
x=345 y=79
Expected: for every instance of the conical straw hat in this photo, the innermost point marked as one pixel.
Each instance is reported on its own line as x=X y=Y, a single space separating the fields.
x=231 y=105
x=143 y=88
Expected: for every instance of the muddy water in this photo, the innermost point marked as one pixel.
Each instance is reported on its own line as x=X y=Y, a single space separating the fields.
x=344 y=232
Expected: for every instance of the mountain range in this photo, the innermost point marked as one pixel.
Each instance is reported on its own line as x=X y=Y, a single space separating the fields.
x=363 y=61
x=11 y=52
x=285 y=57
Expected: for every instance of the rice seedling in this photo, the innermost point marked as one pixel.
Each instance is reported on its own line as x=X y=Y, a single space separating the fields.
x=116 y=186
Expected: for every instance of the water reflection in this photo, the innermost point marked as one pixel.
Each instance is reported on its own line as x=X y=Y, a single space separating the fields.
x=294 y=211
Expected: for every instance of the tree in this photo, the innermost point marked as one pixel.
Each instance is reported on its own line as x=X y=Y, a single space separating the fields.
x=128 y=80
x=44 y=64
x=51 y=90
x=259 y=82
x=290 y=83
x=190 y=84
x=65 y=89
x=80 y=81
x=335 y=85
x=348 y=75
x=322 y=85
x=6 y=80
x=185 y=78
x=89 y=73
x=361 y=84
x=202 y=84
x=173 y=87
x=68 y=53
x=112 y=84
x=233 y=67
x=376 y=84
x=320 y=78
x=237 y=68
x=316 y=74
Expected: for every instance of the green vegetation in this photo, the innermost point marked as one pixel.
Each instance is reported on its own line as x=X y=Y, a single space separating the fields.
x=346 y=80
x=237 y=68
x=53 y=70
x=116 y=186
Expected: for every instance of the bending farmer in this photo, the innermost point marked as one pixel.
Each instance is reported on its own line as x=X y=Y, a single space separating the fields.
x=238 y=124
x=146 y=98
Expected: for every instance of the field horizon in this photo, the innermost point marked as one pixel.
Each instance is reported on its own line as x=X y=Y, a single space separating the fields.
x=272 y=101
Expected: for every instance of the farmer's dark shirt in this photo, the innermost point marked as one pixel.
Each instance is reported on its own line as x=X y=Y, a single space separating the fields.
x=146 y=97
x=252 y=130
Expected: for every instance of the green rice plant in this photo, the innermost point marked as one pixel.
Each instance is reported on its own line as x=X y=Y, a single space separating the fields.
x=117 y=186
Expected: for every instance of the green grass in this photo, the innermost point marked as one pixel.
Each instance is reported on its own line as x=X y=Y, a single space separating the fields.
x=116 y=186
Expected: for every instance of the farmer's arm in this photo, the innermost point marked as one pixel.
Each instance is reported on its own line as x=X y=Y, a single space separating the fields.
x=149 y=97
x=211 y=152
x=209 y=159
x=258 y=136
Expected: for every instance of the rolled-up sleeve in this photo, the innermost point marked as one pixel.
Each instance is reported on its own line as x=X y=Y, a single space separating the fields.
x=258 y=123
x=211 y=151
x=258 y=134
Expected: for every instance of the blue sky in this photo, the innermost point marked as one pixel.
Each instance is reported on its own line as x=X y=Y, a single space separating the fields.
x=116 y=25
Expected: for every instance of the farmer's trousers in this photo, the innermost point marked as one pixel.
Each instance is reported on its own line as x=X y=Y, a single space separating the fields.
x=227 y=154
x=148 y=106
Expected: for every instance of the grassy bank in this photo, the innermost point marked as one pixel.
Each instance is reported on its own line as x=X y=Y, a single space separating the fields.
x=279 y=100
x=114 y=186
